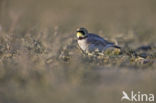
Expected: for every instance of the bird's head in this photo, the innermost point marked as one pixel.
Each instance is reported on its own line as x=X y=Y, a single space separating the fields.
x=81 y=33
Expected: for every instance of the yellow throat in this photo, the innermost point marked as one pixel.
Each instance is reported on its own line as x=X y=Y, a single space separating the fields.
x=79 y=34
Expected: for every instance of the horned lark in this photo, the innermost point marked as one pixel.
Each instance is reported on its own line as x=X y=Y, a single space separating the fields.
x=90 y=42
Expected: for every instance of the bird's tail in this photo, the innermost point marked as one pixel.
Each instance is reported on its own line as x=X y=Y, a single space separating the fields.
x=116 y=46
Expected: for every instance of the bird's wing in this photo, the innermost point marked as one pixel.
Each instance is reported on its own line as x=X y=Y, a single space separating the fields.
x=95 y=39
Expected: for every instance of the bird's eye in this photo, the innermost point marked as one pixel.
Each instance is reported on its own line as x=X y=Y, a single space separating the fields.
x=82 y=32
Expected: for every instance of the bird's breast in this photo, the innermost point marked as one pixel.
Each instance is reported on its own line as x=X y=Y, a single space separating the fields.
x=83 y=44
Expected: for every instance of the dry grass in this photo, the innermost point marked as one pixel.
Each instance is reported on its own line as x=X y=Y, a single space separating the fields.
x=40 y=61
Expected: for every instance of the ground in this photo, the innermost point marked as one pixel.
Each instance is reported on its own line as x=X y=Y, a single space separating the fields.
x=40 y=61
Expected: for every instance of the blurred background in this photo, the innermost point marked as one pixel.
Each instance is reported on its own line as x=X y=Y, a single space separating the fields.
x=41 y=63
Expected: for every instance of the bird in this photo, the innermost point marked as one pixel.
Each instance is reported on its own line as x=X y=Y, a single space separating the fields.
x=90 y=42
x=125 y=96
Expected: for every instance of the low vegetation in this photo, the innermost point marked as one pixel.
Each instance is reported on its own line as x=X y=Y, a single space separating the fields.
x=40 y=61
